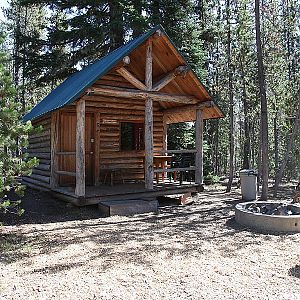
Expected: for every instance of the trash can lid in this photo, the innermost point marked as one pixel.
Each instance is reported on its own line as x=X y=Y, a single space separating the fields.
x=248 y=172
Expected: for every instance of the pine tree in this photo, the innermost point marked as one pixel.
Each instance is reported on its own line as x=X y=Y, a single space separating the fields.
x=13 y=137
x=264 y=105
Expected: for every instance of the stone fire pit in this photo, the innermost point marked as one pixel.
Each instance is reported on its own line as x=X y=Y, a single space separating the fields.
x=269 y=216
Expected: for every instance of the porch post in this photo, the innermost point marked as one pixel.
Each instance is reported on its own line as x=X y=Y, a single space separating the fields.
x=148 y=120
x=199 y=147
x=54 y=179
x=80 y=148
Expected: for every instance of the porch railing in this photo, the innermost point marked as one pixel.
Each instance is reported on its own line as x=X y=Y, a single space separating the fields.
x=177 y=169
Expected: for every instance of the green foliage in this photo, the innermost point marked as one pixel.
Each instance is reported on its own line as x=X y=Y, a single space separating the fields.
x=211 y=179
x=13 y=138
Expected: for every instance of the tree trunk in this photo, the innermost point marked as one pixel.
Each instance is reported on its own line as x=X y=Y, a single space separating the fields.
x=116 y=24
x=263 y=107
x=246 y=146
x=230 y=88
x=289 y=147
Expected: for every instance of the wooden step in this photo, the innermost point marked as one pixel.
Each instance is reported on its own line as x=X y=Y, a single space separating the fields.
x=127 y=207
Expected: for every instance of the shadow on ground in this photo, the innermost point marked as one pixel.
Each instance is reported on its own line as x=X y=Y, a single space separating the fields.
x=174 y=230
x=295 y=271
x=42 y=207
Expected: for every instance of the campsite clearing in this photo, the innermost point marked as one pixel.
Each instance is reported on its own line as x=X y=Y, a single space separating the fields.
x=183 y=252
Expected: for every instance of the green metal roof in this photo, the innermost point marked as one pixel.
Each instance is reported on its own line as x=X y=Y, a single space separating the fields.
x=72 y=87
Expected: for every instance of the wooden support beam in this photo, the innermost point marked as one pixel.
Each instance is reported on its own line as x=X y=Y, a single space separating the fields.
x=181 y=70
x=186 y=108
x=148 y=144
x=80 y=148
x=148 y=68
x=131 y=78
x=54 y=148
x=65 y=153
x=199 y=147
x=66 y=173
x=162 y=66
x=148 y=120
x=142 y=95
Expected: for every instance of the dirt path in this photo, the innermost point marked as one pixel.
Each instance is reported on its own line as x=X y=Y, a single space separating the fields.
x=191 y=252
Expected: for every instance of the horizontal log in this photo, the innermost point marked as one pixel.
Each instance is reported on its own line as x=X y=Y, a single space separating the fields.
x=123 y=154
x=109 y=144
x=126 y=111
x=35 y=182
x=36 y=186
x=40 y=134
x=108 y=125
x=187 y=108
x=39 y=139
x=39 y=149
x=114 y=102
x=42 y=178
x=112 y=105
x=39 y=155
x=174 y=169
x=39 y=145
x=109 y=139
x=129 y=117
x=66 y=173
x=41 y=172
x=44 y=167
x=136 y=94
x=110 y=134
x=44 y=161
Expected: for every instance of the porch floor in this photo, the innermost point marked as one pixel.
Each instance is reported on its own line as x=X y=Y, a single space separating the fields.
x=100 y=193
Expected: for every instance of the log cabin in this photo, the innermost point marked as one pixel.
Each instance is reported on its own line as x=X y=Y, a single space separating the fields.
x=104 y=133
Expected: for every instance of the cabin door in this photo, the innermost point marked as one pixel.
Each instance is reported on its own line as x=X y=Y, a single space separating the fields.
x=68 y=148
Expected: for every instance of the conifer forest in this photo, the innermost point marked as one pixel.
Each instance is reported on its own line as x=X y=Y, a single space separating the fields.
x=246 y=52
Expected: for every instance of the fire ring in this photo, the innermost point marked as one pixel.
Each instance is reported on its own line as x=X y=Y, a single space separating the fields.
x=269 y=216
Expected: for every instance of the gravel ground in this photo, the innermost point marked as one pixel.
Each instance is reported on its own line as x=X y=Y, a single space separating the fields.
x=183 y=252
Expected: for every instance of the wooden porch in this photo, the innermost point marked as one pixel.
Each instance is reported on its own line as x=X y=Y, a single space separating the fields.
x=126 y=191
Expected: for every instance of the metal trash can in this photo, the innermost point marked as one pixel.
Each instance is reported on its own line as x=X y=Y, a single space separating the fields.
x=248 y=184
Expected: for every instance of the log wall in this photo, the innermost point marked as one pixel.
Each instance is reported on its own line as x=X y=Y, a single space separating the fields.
x=39 y=147
x=112 y=113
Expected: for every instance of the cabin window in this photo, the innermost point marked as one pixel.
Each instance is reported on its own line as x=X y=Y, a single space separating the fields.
x=132 y=136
